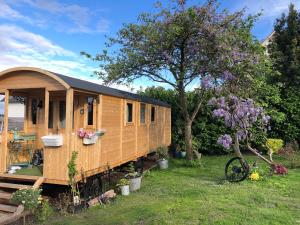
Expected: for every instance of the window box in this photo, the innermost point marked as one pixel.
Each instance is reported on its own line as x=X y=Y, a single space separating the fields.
x=90 y=141
x=100 y=132
x=52 y=140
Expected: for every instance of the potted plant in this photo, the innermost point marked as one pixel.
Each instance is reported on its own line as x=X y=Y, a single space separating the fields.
x=163 y=154
x=135 y=178
x=182 y=153
x=124 y=186
x=88 y=137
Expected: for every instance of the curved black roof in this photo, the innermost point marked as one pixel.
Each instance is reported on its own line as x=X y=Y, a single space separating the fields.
x=101 y=89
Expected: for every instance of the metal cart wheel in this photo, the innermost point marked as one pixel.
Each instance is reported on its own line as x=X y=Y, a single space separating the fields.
x=236 y=169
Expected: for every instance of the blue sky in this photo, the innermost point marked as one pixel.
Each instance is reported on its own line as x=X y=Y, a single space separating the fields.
x=51 y=33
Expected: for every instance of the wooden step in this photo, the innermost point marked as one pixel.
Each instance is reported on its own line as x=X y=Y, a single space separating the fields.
x=8 y=208
x=17 y=177
x=5 y=195
x=14 y=186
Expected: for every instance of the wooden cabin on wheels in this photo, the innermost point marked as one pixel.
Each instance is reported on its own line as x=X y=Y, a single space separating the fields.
x=106 y=126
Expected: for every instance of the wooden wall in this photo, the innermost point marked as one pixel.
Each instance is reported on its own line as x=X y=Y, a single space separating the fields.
x=122 y=141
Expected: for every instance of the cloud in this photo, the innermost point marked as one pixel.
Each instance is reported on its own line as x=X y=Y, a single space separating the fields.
x=14 y=38
x=19 y=47
x=8 y=13
x=69 y=18
x=270 y=8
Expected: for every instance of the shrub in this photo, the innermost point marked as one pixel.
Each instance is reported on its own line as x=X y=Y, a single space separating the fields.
x=254 y=176
x=163 y=152
x=44 y=211
x=290 y=153
x=123 y=182
x=280 y=169
x=30 y=198
x=274 y=144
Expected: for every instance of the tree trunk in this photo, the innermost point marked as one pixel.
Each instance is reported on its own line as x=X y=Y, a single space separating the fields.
x=188 y=139
x=187 y=122
x=236 y=147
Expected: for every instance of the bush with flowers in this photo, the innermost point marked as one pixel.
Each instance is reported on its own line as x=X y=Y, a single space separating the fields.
x=30 y=198
x=280 y=169
x=254 y=176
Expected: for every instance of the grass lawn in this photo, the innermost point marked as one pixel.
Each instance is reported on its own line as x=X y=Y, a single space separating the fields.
x=184 y=195
x=34 y=171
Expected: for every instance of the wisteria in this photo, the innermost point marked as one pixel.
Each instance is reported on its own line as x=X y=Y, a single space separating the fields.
x=225 y=140
x=207 y=82
x=238 y=114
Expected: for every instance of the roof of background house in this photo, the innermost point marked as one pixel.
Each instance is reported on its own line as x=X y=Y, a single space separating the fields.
x=93 y=87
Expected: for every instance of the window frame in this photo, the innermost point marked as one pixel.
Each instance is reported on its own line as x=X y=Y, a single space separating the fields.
x=155 y=114
x=126 y=115
x=88 y=113
x=145 y=114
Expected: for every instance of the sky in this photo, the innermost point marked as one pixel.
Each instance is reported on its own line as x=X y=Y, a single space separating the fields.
x=50 y=34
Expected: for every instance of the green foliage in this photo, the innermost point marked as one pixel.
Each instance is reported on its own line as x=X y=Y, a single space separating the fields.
x=274 y=144
x=285 y=54
x=44 y=212
x=72 y=172
x=163 y=152
x=131 y=171
x=193 y=163
x=206 y=130
x=30 y=198
x=291 y=153
x=123 y=182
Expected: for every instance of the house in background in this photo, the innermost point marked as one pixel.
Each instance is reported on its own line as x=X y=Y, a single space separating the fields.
x=267 y=41
x=16 y=112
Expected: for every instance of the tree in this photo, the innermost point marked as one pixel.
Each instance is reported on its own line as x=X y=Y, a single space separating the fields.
x=180 y=46
x=285 y=54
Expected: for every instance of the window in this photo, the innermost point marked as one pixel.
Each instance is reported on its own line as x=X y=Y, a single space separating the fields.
x=50 y=119
x=129 y=113
x=152 y=114
x=90 y=117
x=33 y=110
x=142 y=113
x=62 y=114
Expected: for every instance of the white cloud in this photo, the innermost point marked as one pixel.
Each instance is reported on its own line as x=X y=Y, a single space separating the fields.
x=14 y=38
x=19 y=47
x=70 y=18
x=270 y=8
x=9 y=13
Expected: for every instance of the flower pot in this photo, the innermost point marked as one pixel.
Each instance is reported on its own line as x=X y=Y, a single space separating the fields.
x=135 y=183
x=52 y=140
x=178 y=154
x=183 y=154
x=163 y=164
x=125 y=190
x=76 y=200
x=90 y=141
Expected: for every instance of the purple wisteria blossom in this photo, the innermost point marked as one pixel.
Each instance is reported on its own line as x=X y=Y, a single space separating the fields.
x=238 y=114
x=225 y=140
x=207 y=82
x=227 y=76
